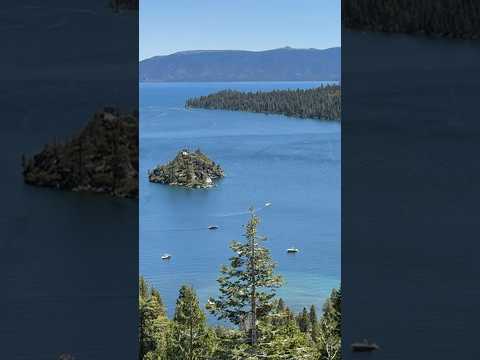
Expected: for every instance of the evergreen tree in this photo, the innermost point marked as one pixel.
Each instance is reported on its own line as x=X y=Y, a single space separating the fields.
x=283 y=342
x=153 y=325
x=155 y=294
x=312 y=315
x=330 y=328
x=323 y=102
x=248 y=285
x=143 y=288
x=303 y=321
x=190 y=338
x=440 y=17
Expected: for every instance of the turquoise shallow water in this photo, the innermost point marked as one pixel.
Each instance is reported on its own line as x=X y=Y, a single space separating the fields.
x=292 y=163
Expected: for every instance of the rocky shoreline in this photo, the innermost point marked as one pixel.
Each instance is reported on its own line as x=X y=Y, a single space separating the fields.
x=102 y=158
x=191 y=169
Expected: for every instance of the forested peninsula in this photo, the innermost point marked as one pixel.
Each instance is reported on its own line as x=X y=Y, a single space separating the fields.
x=447 y=18
x=323 y=102
x=102 y=158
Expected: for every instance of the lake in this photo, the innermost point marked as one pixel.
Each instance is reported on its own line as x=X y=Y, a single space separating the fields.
x=292 y=163
x=68 y=261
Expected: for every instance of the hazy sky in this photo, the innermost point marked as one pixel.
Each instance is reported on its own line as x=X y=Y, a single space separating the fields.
x=168 y=26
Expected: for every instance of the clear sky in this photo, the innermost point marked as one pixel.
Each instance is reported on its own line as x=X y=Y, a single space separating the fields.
x=168 y=26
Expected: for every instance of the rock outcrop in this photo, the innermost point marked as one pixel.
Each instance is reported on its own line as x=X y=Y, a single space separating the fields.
x=188 y=169
x=102 y=158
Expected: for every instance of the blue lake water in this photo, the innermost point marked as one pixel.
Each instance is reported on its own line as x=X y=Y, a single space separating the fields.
x=292 y=163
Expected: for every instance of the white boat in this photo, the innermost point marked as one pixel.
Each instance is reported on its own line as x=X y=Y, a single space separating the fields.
x=166 y=257
x=292 y=250
x=268 y=204
x=212 y=227
x=364 y=346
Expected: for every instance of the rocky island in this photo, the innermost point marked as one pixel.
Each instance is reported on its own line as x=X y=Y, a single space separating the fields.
x=191 y=169
x=102 y=158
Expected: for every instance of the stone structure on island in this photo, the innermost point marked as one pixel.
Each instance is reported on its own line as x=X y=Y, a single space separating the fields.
x=102 y=158
x=191 y=169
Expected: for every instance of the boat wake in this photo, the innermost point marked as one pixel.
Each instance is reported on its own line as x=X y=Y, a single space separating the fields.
x=241 y=213
x=185 y=229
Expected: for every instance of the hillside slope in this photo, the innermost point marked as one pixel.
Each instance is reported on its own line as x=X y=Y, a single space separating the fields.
x=285 y=64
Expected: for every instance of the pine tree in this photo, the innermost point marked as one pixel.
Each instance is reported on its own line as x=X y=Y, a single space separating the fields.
x=330 y=328
x=190 y=337
x=248 y=285
x=143 y=288
x=155 y=294
x=323 y=102
x=312 y=315
x=283 y=342
x=153 y=324
x=303 y=321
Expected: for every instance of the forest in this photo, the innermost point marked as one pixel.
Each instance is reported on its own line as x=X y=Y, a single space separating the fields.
x=449 y=18
x=263 y=326
x=124 y=4
x=323 y=102
x=101 y=158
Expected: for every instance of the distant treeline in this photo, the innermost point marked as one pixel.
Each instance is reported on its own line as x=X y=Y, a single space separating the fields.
x=124 y=4
x=449 y=18
x=323 y=102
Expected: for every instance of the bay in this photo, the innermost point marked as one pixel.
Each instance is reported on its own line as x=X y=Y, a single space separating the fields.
x=292 y=163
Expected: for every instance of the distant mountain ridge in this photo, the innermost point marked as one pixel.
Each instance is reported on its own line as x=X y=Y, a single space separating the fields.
x=284 y=64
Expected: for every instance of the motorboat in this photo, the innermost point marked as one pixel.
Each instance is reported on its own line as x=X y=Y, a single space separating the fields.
x=212 y=227
x=364 y=346
x=292 y=250
x=268 y=204
x=166 y=257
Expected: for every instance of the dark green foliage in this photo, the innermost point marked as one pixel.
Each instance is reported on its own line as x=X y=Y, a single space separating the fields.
x=320 y=103
x=303 y=321
x=190 y=337
x=102 y=158
x=329 y=337
x=143 y=288
x=124 y=4
x=247 y=285
x=449 y=18
x=153 y=323
x=191 y=169
x=312 y=316
x=283 y=342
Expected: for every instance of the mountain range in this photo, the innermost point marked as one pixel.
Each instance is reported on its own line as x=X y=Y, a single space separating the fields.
x=284 y=64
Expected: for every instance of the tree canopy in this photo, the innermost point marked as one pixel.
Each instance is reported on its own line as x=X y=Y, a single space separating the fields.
x=449 y=18
x=323 y=102
x=265 y=326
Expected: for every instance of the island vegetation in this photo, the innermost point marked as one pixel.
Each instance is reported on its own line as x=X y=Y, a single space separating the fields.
x=124 y=4
x=263 y=326
x=447 y=18
x=323 y=102
x=102 y=158
x=192 y=169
